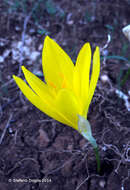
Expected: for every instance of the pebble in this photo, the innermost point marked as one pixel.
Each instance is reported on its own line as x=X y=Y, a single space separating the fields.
x=102 y=183
x=17 y=28
x=1 y=59
x=6 y=53
x=20 y=50
x=28 y=41
x=15 y=54
x=26 y=51
x=40 y=47
x=70 y=22
x=2 y=44
x=104 y=78
x=31 y=31
x=126 y=31
x=34 y=55
x=19 y=45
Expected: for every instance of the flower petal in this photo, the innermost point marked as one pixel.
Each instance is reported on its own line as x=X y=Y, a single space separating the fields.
x=38 y=86
x=83 y=63
x=76 y=83
x=94 y=77
x=67 y=104
x=57 y=65
x=38 y=102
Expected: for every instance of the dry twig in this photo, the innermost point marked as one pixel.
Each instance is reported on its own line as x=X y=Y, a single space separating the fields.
x=6 y=127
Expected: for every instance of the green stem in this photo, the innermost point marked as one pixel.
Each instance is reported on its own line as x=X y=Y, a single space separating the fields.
x=97 y=159
x=84 y=128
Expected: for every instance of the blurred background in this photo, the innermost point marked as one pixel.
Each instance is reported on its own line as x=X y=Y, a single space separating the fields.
x=33 y=145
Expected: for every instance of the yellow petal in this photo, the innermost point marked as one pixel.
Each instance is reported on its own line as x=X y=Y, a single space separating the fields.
x=94 y=77
x=83 y=63
x=38 y=102
x=57 y=65
x=38 y=86
x=67 y=104
x=76 y=83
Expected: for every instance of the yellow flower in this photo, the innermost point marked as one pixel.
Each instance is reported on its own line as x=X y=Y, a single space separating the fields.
x=68 y=89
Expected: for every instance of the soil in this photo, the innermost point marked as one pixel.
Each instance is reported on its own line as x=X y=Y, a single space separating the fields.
x=37 y=152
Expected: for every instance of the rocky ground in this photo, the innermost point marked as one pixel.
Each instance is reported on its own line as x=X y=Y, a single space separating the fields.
x=37 y=152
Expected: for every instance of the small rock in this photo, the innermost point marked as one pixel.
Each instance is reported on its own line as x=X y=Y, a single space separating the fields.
x=19 y=45
x=104 y=148
x=31 y=31
x=26 y=51
x=2 y=44
x=40 y=47
x=15 y=54
x=9 y=77
x=1 y=59
x=28 y=41
x=102 y=183
x=104 y=78
x=34 y=55
x=17 y=28
x=6 y=53
x=126 y=31
x=70 y=22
